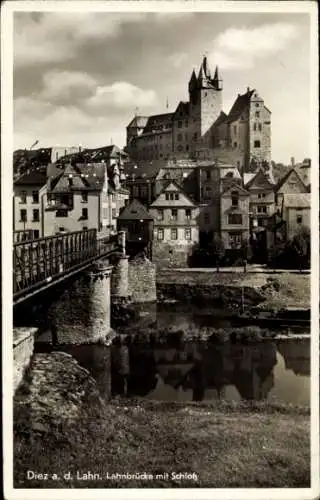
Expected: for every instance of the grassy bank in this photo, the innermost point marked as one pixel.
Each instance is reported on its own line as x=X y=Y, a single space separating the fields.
x=277 y=291
x=224 y=444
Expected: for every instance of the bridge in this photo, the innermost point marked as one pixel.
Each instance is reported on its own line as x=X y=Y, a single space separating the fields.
x=43 y=263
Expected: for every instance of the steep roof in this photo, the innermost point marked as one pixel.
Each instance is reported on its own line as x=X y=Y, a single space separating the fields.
x=138 y=121
x=284 y=179
x=222 y=118
x=183 y=108
x=297 y=200
x=239 y=106
x=34 y=178
x=145 y=170
x=135 y=211
x=156 y=122
x=247 y=176
x=174 y=183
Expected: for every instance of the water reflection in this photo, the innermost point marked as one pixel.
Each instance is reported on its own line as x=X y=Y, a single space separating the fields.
x=199 y=371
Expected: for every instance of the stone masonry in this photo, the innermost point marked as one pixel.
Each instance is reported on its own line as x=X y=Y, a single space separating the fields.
x=23 y=346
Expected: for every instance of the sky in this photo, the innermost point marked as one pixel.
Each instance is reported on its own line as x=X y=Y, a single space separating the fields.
x=79 y=78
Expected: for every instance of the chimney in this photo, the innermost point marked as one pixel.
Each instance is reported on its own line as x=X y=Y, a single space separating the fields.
x=248 y=89
x=292 y=162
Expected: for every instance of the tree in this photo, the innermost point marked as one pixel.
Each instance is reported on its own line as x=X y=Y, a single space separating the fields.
x=300 y=244
x=218 y=250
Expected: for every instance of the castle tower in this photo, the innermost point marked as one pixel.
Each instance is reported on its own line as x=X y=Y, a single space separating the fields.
x=205 y=96
x=259 y=128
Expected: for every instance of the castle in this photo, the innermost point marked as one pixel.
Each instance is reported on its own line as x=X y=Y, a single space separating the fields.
x=200 y=128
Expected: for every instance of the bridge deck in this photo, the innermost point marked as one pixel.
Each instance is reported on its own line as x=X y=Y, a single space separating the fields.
x=39 y=264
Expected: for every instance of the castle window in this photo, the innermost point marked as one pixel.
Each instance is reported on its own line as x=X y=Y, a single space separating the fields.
x=257 y=144
x=257 y=113
x=235 y=219
x=254 y=126
x=257 y=104
x=260 y=127
x=179 y=124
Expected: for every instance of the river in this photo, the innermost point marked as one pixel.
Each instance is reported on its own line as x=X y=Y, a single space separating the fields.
x=276 y=370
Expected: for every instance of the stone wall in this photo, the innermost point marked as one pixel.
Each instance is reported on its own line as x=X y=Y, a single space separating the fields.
x=119 y=278
x=142 y=280
x=168 y=255
x=23 y=346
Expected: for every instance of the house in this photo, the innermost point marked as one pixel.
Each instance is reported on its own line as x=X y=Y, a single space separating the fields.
x=81 y=197
x=234 y=216
x=28 y=203
x=176 y=230
x=296 y=212
x=291 y=183
x=136 y=221
x=261 y=187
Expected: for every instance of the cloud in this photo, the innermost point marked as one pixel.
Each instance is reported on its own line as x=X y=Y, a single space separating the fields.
x=56 y=36
x=240 y=48
x=121 y=95
x=178 y=59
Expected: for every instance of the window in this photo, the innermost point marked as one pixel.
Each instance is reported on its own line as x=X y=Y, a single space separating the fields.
x=234 y=219
x=188 y=213
x=84 y=213
x=234 y=144
x=179 y=137
x=176 y=196
x=235 y=239
x=260 y=127
x=261 y=195
x=195 y=136
x=254 y=126
x=84 y=197
x=234 y=198
x=207 y=218
x=257 y=114
x=36 y=234
x=35 y=214
x=23 y=197
x=187 y=234
x=144 y=191
x=174 y=233
x=262 y=209
x=23 y=215
x=174 y=214
x=61 y=229
x=235 y=129
x=208 y=175
x=257 y=104
x=160 y=234
x=35 y=197
x=62 y=213
x=114 y=213
x=260 y=222
x=85 y=228
x=179 y=124
x=70 y=180
x=299 y=219
x=257 y=144
x=160 y=215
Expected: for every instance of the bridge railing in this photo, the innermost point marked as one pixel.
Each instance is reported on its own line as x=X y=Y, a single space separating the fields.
x=47 y=258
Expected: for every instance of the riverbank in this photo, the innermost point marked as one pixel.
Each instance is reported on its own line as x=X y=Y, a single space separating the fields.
x=62 y=426
x=267 y=291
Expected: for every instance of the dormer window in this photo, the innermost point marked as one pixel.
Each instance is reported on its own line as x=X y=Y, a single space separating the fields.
x=234 y=198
